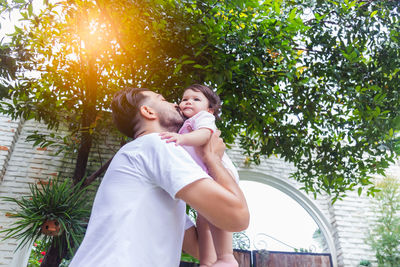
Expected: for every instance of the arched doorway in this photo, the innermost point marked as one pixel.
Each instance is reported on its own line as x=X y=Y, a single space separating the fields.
x=303 y=200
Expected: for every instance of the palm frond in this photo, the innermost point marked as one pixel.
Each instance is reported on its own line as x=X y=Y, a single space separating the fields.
x=56 y=200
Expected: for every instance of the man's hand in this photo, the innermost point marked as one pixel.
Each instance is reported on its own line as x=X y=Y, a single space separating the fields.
x=172 y=137
x=213 y=150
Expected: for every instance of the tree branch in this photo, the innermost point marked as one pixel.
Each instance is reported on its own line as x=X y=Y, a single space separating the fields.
x=97 y=173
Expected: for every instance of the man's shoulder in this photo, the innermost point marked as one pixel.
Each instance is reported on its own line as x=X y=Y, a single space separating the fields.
x=142 y=145
x=151 y=144
x=151 y=139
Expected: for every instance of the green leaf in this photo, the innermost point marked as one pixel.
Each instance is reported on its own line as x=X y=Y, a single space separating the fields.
x=185 y=62
x=30 y=9
x=359 y=191
x=178 y=68
x=292 y=14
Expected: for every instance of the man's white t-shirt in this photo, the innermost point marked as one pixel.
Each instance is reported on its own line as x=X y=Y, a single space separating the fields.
x=136 y=221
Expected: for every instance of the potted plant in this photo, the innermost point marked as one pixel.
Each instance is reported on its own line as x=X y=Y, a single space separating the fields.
x=55 y=212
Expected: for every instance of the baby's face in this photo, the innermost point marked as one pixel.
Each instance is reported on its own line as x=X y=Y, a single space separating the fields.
x=193 y=102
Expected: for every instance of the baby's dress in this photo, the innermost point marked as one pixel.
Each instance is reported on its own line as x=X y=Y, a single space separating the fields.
x=204 y=119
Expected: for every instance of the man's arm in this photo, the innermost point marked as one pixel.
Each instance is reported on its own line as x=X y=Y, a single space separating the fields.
x=220 y=201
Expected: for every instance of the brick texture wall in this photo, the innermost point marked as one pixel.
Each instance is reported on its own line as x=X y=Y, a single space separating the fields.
x=22 y=165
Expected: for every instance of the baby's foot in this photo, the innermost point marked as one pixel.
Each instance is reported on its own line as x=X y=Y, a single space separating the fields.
x=227 y=260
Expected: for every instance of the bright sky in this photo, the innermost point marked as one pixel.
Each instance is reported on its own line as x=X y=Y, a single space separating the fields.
x=7 y=24
x=277 y=215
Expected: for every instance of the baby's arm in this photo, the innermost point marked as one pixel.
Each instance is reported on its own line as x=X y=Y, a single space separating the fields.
x=197 y=137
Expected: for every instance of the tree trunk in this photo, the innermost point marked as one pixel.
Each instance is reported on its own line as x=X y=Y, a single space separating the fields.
x=89 y=114
x=83 y=156
x=53 y=255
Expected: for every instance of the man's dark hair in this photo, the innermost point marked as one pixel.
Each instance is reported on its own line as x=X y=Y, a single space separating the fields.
x=125 y=110
x=213 y=99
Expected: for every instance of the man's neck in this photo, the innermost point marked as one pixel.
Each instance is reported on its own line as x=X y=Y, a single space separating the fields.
x=140 y=134
x=150 y=130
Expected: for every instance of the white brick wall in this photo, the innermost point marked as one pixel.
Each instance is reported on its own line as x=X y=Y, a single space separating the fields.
x=9 y=131
x=347 y=220
x=26 y=165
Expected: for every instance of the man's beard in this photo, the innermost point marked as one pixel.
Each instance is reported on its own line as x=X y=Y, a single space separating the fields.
x=172 y=122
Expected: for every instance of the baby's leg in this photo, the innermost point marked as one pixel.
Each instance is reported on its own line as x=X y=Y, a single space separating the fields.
x=223 y=247
x=206 y=245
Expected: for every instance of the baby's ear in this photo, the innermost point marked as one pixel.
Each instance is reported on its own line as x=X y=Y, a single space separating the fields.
x=210 y=110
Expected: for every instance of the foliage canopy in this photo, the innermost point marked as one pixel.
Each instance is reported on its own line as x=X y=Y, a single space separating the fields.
x=315 y=82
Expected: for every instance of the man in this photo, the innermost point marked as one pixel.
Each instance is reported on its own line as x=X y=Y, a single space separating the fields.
x=138 y=216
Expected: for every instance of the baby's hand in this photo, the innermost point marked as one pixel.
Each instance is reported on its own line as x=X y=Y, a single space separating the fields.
x=172 y=137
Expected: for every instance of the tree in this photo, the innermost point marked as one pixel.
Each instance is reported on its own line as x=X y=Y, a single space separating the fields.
x=350 y=90
x=319 y=90
x=384 y=237
x=7 y=70
x=315 y=82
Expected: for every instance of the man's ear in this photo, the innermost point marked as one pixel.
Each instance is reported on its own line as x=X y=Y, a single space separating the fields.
x=147 y=112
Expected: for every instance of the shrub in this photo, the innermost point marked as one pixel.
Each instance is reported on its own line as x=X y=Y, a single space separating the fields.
x=384 y=237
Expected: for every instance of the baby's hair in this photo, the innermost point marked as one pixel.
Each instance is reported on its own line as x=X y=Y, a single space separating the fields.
x=213 y=99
